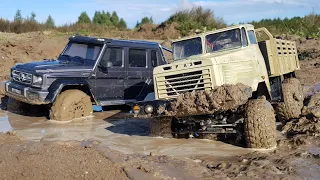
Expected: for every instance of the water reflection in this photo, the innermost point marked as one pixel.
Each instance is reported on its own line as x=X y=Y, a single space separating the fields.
x=4 y=124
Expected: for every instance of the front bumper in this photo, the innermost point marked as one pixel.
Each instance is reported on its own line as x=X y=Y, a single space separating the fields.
x=25 y=93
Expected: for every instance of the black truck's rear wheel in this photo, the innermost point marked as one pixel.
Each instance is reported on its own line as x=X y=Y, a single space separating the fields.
x=161 y=126
x=71 y=104
x=292 y=100
x=260 y=124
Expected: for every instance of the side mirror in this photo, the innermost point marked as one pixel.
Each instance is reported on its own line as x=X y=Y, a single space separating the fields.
x=106 y=64
x=109 y=64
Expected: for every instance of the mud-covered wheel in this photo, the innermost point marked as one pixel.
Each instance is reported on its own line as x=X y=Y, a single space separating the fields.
x=16 y=106
x=71 y=104
x=161 y=126
x=260 y=124
x=292 y=100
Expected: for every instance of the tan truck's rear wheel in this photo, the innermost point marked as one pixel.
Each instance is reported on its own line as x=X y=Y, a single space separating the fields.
x=160 y=126
x=260 y=124
x=71 y=104
x=292 y=100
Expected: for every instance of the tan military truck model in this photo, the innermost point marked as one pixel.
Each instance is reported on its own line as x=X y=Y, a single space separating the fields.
x=226 y=82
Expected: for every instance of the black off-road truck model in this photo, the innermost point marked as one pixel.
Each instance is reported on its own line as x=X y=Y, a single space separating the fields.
x=88 y=71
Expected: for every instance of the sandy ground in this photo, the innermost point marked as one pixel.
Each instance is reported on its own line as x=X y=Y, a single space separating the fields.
x=111 y=146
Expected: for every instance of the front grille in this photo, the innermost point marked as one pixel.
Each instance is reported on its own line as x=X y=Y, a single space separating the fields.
x=22 y=77
x=173 y=85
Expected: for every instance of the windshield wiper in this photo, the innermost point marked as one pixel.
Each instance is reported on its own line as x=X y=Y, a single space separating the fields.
x=80 y=58
x=72 y=57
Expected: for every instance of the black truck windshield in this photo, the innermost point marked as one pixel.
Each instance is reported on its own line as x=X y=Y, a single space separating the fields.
x=187 y=48
x=83 y=51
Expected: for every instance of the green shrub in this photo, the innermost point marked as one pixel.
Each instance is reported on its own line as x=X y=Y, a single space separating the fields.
x=197 y=18
x=308 y=26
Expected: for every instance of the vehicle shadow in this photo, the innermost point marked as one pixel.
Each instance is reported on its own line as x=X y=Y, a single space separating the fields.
x=124 y=123
x=25 y=109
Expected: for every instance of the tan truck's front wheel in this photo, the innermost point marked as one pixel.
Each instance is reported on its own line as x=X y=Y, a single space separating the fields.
x=292 y=100
x=160 y=126
x=71 y=104
x=260 y=124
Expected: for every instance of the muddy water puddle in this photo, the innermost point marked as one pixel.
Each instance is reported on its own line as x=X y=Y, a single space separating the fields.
x=124 y=135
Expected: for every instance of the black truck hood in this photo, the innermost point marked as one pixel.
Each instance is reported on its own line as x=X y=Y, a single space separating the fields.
x=48 y=66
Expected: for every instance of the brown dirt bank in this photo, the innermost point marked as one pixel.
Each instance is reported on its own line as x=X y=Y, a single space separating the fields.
x=55 y=160
x=309 y=55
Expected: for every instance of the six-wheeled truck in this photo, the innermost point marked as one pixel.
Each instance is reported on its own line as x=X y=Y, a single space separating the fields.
x=224 y=82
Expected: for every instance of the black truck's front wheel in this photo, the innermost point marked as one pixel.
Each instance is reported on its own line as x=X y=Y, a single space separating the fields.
x=71 y=104
x=260 y=124
x=161 y=126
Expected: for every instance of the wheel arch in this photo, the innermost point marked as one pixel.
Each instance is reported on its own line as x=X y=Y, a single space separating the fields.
x=262 y=90
x=60 y=86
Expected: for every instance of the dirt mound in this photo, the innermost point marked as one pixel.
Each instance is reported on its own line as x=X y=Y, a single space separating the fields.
x=221 y=98
x=165 y=31
x=309 y=55
x=309 y=124
x=27 y=47
x=302 y=126
x=250 y=166
x=10 y=137
x=53 y=160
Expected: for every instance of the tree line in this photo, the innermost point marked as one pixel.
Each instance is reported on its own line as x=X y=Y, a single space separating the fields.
x=103 y=18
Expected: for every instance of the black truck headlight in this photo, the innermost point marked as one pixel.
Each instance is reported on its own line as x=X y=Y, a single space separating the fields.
x=148 y=109
x=36 y=80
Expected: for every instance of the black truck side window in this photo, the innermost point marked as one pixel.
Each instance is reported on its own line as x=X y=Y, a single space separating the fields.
x=137 y=58
x=113 y=55
x=154 y=58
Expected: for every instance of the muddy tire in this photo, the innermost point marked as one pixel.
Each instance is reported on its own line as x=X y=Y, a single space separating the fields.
x=260 y=124
x=16 y=106
x=71 y=104
x=160 y=126
x=292 y=100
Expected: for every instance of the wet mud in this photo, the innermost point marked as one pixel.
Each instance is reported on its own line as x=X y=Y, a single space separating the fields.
x=53 y=160
x=222 y=98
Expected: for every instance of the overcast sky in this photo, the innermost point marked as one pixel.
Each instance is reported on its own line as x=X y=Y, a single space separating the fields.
x=232 y=11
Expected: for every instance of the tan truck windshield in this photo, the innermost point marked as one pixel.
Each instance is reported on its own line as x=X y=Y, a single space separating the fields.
x=187 y=48
x=223 y=40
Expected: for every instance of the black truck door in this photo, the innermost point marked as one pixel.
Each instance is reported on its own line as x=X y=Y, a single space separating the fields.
x=110 y=75
x=138 y=73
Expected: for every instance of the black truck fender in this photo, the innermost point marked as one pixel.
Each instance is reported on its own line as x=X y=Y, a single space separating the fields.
x=61 y=85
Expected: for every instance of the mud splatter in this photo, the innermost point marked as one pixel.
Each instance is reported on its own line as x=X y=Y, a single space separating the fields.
x=222 y=98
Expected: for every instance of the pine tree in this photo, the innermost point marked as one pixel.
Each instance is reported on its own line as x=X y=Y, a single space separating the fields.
x=84 y=18
x=122 y=24
x=97 y=17
x=106 y=19
x=33 y=17
x=50 y=22
x=18 y=16
x=114 y=19
x=144 y=20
